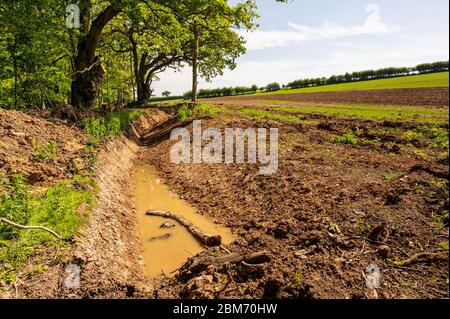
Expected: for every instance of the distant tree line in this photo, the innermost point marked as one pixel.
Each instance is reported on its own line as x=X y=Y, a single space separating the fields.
x=370 y=75
x=384 y=73
x=226 y=91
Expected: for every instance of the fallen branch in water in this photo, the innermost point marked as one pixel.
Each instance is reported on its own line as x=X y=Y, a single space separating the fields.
x=207 y=240
x=30 y=227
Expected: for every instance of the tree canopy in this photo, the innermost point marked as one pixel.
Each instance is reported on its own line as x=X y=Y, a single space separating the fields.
x=116 y=51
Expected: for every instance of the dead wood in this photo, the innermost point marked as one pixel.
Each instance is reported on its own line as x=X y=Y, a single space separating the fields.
x=198 y=264
x=30 y=227
x=426 y=257
x=205 y=239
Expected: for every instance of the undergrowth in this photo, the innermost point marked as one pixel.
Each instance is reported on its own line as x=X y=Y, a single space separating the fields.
x=43 y=152
x=186 y=113
x=57 y=209
x=267 y=115
x=347 y=138
x=113 y=124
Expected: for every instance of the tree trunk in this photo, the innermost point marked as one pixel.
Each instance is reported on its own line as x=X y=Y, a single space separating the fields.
x=143 y=91
x=144 y=94
x=88 y=69
x=195 y=64
x=15 y=75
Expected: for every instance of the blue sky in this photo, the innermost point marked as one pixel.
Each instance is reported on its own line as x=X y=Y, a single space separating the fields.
x=319 y=38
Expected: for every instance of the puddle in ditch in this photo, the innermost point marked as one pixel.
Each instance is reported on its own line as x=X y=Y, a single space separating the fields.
x=166 y=255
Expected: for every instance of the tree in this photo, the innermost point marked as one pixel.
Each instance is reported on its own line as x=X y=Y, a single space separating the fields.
x=215 y=43
x=166 y=94
x=155 y=40
x=88 y=70
x=273 y=87
x=31 y=76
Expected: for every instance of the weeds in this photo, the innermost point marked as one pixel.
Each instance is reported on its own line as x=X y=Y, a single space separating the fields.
x=288 y=140
x=392 y=176
x=112 y=124
x=260 y=114
x=396 y=262
x=441 y=220
x=364 y=228
x=184 y=114
x=44 y=152
x=297 y=278
x=57 y=209
x=347 y=138
x=443 y=246
x=439 y=137
x=411 y=136
x=200 y=111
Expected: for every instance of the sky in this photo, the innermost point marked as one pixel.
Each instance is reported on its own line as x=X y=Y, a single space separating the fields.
x=304 y=39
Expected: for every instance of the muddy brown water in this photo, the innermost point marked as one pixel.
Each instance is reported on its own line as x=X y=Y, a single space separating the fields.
x=166 y=249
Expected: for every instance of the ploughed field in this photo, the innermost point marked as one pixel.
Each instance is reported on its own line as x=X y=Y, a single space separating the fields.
x=435 y=97
x=356 y=185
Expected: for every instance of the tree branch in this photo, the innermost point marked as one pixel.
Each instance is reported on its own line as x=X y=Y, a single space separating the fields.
x=31 y=227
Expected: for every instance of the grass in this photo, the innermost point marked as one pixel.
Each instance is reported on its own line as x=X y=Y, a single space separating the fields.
x=368 y=112
x=113 y=124
x=288 y=140
x=43 y=152
x=267 y=115
x=410 y=136
x=200 y=111
x=297 y=277
x=414 y=81
x=348 y=138
x=57 y=209
x=373 y=112
x=389 y=176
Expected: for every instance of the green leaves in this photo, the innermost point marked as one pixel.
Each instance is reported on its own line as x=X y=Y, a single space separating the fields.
x=38 y=53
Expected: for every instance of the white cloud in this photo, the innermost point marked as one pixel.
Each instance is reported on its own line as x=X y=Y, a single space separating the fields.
x=344 y=58
x=300 y=33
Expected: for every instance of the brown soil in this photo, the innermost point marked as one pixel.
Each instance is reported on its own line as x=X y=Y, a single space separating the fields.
x=325 y=216
x=21 y=135
x=436 y=97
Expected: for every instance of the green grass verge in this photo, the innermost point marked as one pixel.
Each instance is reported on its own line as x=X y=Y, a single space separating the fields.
x=201 y=110
x=414 y=81
x=267 y=115
x=57 y=209
x=374 y=112
x=113 y=124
